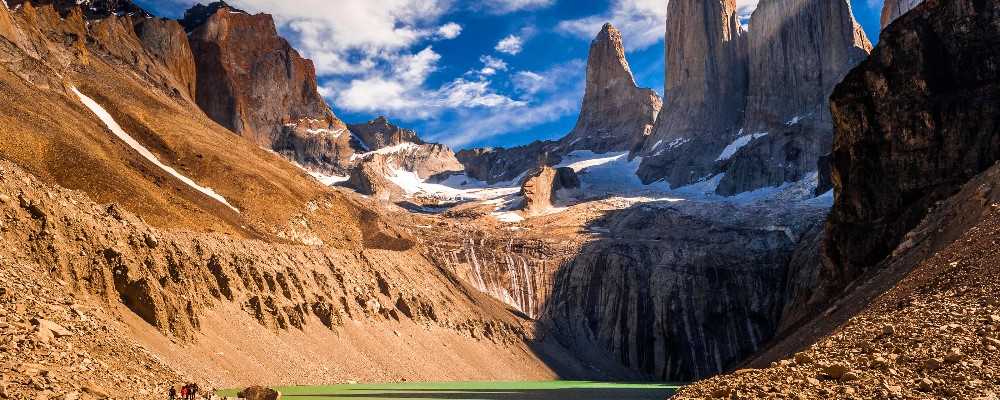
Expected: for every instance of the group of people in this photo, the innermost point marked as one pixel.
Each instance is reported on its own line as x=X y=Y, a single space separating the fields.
x=187 y=392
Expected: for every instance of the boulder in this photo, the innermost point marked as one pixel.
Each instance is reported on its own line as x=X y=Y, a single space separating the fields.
x=259 y=393
x=541 y=188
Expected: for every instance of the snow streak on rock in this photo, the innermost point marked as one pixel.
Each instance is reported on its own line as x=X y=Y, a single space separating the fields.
x=109 y=121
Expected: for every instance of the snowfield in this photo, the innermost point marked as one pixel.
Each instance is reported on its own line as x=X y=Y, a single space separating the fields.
x=738 y=144
x=109 y=121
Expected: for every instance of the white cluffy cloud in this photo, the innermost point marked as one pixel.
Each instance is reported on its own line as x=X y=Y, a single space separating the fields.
x=642 y=22
x=450 y=30
x=401 y=91
x=512 y=44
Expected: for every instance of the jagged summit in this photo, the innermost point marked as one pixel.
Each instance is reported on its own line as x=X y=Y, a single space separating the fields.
x=616 y=114
x=92 y=9
x=200 y=13
x=380 y=133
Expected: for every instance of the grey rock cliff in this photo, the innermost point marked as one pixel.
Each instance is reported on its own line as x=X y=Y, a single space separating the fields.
x=705 y=91
x=616 y=114
x=798 y=51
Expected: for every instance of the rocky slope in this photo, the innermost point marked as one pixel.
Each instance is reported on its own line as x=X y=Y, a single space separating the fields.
x=91 y=9
x=251 y=81
x=902 y=306
x=751 y=105
x=615 y=115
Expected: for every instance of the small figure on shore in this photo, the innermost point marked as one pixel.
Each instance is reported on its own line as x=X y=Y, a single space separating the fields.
x=172 y=393
x=184 y=392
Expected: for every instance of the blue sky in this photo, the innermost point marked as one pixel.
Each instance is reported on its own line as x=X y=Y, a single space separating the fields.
x=469 y=73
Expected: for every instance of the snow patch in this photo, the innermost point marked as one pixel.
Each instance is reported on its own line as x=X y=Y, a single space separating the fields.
x=109 y=121
x=738 y=144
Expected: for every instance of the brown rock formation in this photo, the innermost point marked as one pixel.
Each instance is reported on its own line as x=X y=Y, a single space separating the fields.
x=706 y=82
x=541 y=188
x=913 y=122
x=616 y=114
x=506 y=164
x=253 y=82
x=892 y=9
x=798 y=51
x=380 y=133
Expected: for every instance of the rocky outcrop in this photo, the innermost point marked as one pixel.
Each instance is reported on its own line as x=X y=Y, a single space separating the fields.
x=371 y=171
x=380 y=133
x=893 y=9
x=913 y=123
x=544 y=187
x=706 y=82
x=616 y=114
x=251 y=81
x=678 y=292
x=798 y=51
x=167 y=42
x=502 y=165
x=370 y=178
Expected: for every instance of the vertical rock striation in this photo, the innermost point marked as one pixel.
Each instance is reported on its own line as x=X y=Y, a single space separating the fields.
x=914 y=122
x=705 y=91
x=798 y=50
x=253 y=82
x=616 y=114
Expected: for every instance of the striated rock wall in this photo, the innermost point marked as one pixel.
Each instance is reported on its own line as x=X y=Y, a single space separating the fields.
x=616 y=115
x=677 y=293
x=168 y=43
x=914 y=122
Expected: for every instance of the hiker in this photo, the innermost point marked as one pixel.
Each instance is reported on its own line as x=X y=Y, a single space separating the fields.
x=184 y=392
x=172 y=393
x=193 y=391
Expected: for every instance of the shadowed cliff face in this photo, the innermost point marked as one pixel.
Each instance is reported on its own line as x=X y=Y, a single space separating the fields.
x=913 y=122
x=677 y=292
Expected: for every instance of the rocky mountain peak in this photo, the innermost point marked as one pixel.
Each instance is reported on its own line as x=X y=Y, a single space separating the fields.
x=92 y=9
x=381 y=133
x=616 y=114
x=706 y=84
x=200 y=13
